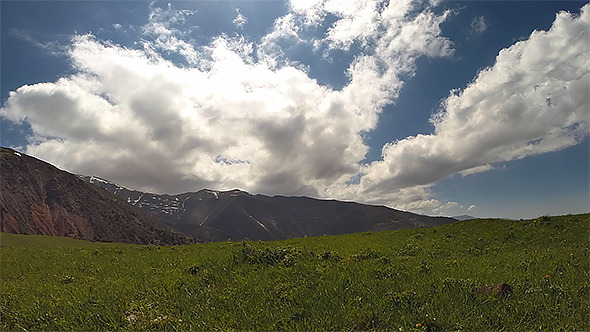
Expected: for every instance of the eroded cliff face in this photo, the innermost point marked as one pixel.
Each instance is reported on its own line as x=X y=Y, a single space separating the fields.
x=38 y=198
x=32 y=203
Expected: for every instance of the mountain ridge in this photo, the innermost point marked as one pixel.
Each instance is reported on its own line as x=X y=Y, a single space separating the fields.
x=211 y=215
x=464 y=217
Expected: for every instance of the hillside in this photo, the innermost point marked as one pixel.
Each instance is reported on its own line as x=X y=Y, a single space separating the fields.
x=211 y=215
x=38 y=198
x=408 y=280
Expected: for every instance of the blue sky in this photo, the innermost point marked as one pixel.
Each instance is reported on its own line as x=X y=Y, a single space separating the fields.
x=437 y=107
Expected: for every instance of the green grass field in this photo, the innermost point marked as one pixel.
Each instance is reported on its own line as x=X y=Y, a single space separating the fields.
x=409 y=280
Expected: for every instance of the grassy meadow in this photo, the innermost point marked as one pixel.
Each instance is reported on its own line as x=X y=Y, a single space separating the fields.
x=408 y=280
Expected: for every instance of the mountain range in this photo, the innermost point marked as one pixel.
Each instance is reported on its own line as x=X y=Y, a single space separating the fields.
x=38 y=198
x=210 y=215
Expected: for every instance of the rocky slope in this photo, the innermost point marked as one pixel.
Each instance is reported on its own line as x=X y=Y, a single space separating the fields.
x=38 y=198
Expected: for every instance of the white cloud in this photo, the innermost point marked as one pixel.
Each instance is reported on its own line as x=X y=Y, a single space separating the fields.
x=241 y=115
x=359 y=21
x=479 y=25
x=168 y=30
x=227 y=121
x=51 y=47
x=311 y=10
x=240 y=20
x=284 y=30
x=476 y=169
x=142 y=121
x=533 y=100
x=472 y=208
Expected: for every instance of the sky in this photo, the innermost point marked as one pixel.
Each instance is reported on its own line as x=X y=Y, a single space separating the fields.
x=435 y=107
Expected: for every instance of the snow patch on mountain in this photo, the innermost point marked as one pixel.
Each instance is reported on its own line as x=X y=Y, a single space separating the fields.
x=259 y=223
x=214 y=193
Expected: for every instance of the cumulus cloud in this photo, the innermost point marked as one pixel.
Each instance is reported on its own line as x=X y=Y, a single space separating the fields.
x=533 y=100
x=239 y=114
x=137 y=118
